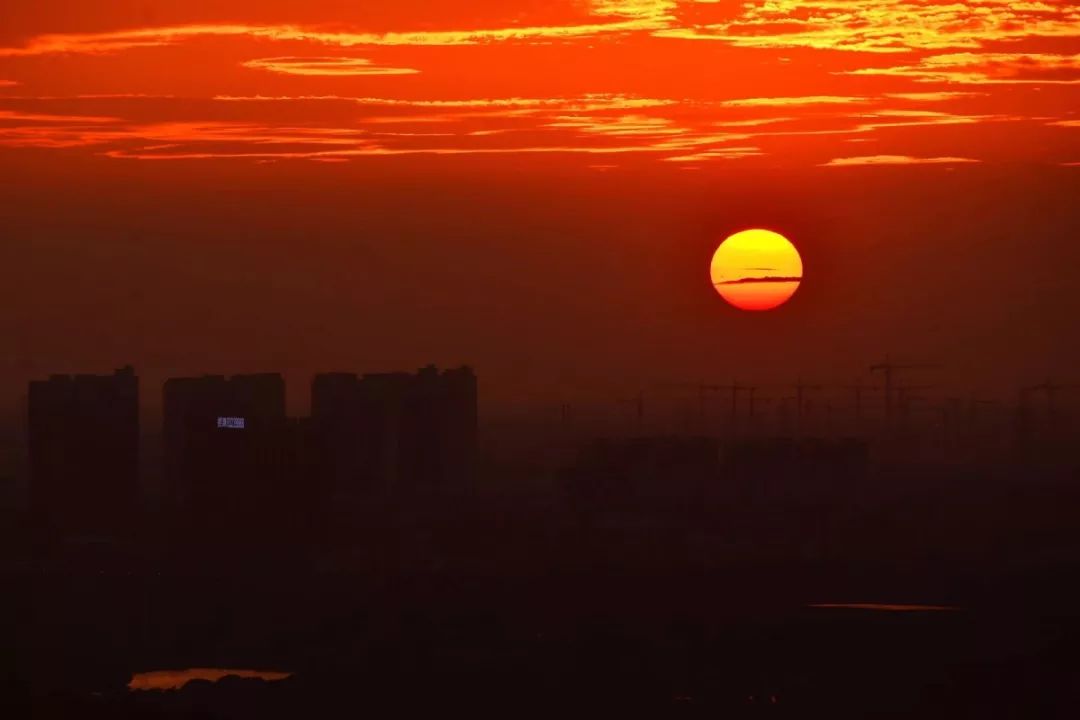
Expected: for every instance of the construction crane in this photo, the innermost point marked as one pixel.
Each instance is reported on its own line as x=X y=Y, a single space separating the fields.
x=951 y=415
x=1025 y=393
x=904 y=393
x=959 y=416
x=752 y=400
x=801 y=389
x=889 y=370
x=754 y=403
x=828 y=418
x=904 y=398
x=973 y=406
x=637 y=404
x=703 y=390
x=858 y=389
x=1051 y=390
x=734 y=389
x=783 y=411
x=1024 y=419
x=800 y=393
x=699 y=387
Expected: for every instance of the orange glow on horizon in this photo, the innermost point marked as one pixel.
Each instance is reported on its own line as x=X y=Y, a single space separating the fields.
x=756 y=270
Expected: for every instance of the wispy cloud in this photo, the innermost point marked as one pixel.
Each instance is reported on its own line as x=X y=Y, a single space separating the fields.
x=755 y=280
x=581 y=103
x=253 y=90
x=545 y=129
x=121 y=40
x=886 y=119
x=896 y=160
x=879 y=26
x=378 y=151
x=752 y=122
x=795 y=101
x=885 y=26
x=325 y=66
x=655 y=10
x=17 y=116
x=324 y=126
x=987 y=69
x=724 y=153
x=938 y=96
x=623 y=125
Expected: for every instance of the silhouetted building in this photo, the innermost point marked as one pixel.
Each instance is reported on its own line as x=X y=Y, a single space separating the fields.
x=343 y=435
x=234 y=462
x=395 y=432
x=435 y=418
x=84 y=456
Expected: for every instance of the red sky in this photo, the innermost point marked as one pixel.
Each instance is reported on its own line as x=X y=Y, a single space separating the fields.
x=829 y=82
x=292 y=184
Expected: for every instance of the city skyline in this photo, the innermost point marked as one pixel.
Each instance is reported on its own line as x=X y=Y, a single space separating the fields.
x=890 y=400
x=954 y=425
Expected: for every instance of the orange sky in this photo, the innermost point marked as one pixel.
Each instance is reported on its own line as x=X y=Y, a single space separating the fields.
x=831 y=83
x=536 y=188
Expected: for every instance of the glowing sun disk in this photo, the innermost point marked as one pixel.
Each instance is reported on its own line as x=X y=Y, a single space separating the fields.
x=756 y=270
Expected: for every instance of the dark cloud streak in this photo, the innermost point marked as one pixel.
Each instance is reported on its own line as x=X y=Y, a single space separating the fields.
x=746 y=281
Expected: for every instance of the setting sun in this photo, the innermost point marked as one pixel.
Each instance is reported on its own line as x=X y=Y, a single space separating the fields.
x=756 y=270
